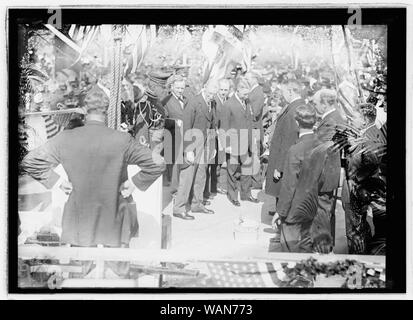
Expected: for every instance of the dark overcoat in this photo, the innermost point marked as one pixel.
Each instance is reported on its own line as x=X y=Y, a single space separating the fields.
x=297 y=155
x=238 y=126
x=256 y=99
x=284 y=136
x=326 y=130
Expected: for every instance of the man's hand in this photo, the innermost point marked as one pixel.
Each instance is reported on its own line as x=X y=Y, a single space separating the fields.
x=127 y=188
x=179 y=122
x=274 y=220
x=228 y=150
x=277 y=174
x=190 y=157
x=66 y=187
x=214 y=153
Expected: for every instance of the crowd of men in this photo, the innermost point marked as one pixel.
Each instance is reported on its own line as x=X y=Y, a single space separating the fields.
x=230 y=136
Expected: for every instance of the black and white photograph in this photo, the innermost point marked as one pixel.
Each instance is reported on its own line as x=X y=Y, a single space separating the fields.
x=166 y=149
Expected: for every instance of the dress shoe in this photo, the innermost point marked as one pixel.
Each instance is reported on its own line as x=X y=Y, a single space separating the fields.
x=206 y=202
x=235 y=203
x=251 y=199
x=184 y=216
x=271 y=213
x=202 y=210
x=221 y=191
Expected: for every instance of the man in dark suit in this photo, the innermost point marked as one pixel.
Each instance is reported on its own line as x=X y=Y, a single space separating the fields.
x=295 y=226
x=199 y=150
x=284 y=136
x=238 y=127
x=217 y=178
x=175 y=104
x=325 y=101
x=256 y=98
x=95 y=159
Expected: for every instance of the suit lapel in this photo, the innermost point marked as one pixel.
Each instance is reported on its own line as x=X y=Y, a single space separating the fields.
x=176 y=105
x=204 y=107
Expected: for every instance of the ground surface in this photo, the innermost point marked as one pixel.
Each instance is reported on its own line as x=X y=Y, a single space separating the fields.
x=215 y=233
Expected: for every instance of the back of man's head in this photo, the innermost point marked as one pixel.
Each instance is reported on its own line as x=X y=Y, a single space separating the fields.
x=96 y=101
x=328 y=96
x=305 y=115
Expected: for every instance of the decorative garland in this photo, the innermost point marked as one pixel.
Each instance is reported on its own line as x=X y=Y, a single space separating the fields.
x=356 y=274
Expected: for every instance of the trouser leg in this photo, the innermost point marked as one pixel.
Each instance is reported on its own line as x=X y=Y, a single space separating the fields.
x=222 y=178
x=199 y=185
x=175 y=174
x=246 y=184
x=290 y=235
x=232 y=168
x=207 y=190
x=246 y=178
x=186 y=177
x=322 y=221
x=213 y=178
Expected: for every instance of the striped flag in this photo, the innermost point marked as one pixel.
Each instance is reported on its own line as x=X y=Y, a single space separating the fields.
x=244 y=274
x=223 y=52
x=144 y=37
x=71 y=44
x=52 y=128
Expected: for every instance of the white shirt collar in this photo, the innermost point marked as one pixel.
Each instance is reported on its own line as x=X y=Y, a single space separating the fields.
x=238 y=98
x=327 y=113
x=305 y=133
x=295 y=99
x=176 y=97
x=179 y=100
x=254 y=86
x=220 y=99
x=203 y=96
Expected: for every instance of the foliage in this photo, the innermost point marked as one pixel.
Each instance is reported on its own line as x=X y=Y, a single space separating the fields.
x=304 y=273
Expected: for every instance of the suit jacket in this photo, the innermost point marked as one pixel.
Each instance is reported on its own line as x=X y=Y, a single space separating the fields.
x=297 y=154
x=257 y=99
x=96 y=168
x=199 y=117
x=303 y=206
x=238 y=126
x=284 y=136
x=221 y=115
x=326 y=130
x=173 y=143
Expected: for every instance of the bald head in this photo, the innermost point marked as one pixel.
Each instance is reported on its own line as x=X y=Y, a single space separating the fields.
x=223 y=88
x=210 y=89
x=243 y=89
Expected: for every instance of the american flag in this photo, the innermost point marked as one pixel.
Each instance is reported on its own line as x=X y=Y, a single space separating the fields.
x=223 y=51
x=244 y=274
x=52 y=128
x=143 y=37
